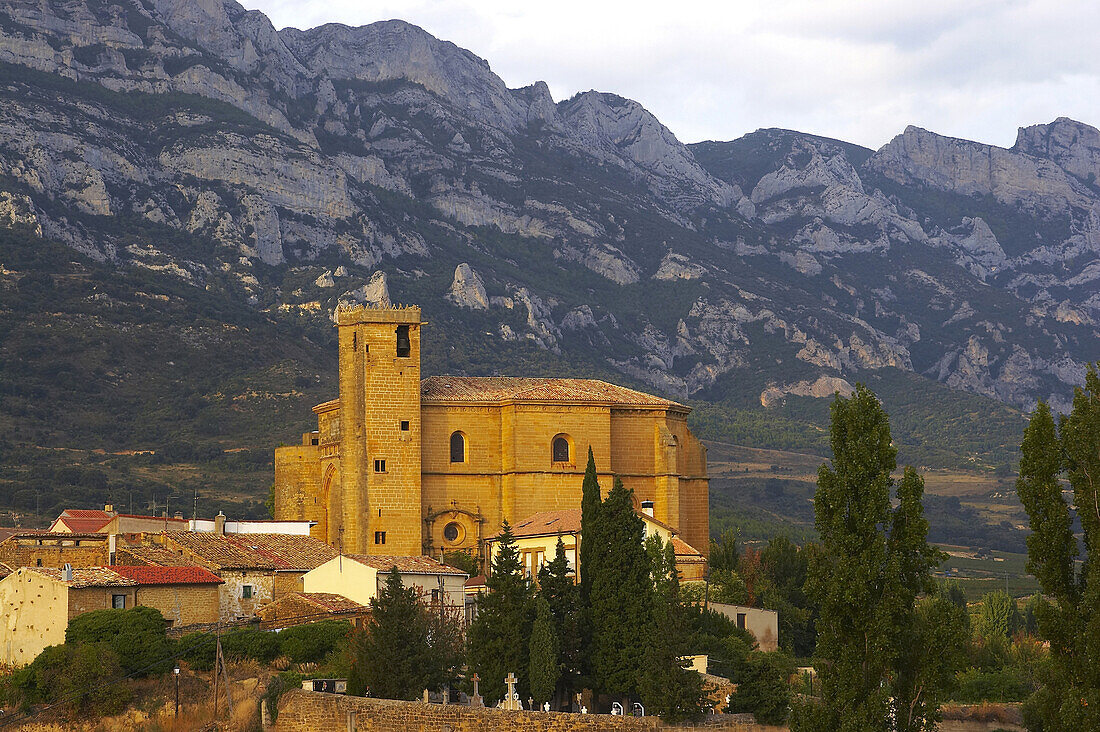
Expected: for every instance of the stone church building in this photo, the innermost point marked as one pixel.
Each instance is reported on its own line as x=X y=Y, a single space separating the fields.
x=401 y=465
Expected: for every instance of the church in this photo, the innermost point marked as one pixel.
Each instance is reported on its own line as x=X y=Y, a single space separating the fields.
x=401 y=465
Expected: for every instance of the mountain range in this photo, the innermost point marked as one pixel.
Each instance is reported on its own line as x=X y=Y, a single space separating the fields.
x=186 y=193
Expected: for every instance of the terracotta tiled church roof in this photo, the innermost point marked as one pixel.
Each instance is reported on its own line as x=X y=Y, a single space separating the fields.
x=505 y=389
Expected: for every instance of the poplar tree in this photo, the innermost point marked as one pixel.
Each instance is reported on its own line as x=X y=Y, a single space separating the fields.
x=1069 y=614
x=557 y=585
x=866 y=572
x=543 y=666
x=619 y=572
x=499 y=636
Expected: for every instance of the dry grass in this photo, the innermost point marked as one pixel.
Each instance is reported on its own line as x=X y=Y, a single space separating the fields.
x=984 y=712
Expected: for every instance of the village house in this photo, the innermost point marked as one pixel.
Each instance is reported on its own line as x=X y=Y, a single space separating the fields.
x=763 y=624
x=39 y=602
x=298 y=607
x=360 y=578
x=537 y=538
x=33 y=548
x=256 y=569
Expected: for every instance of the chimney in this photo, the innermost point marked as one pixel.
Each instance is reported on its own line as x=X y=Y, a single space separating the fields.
x=109 y=508
x=67 y=572
x=647 y=508
x=178 y=515
x=219 y=523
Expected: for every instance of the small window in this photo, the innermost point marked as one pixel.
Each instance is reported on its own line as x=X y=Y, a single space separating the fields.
x=404 y=425
x=380 y=537
x=404 y=345
x=246 y=592
x=458 y=448
x=118 y=602
x=354 y=341
x=314 y=441
x=38 y=562
x=452 y=532
x=379 y=466
x=741 y=620
x=561 y=449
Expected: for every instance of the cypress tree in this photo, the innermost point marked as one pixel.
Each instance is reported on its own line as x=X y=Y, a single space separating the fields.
x=620 y=595
x=668 y=689
x=1069 y=614
x=591 y=500
x=499 y=636
x=393 y=656
x=544 y=669
x=865 y=574
x=558 y=587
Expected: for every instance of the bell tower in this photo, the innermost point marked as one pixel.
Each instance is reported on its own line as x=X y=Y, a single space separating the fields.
x=379 y=354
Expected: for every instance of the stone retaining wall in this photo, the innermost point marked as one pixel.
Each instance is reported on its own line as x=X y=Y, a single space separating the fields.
x=303 y=711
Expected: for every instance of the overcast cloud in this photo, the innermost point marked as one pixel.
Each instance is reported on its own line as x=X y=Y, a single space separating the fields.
x=858 y=71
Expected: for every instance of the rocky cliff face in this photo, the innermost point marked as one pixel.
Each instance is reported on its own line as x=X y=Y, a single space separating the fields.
x=308 y=167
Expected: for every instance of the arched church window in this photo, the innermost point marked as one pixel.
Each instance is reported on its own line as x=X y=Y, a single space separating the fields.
x=458 y=447
x=560 y=449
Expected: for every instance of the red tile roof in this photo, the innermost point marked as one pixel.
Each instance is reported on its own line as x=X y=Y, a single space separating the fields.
x=82 y=525
x=279 y=552
x=154 y=556
x=5 y=570
x=329 y=602
x=405 y=565
x=478 y=581
x=684 y=550
x=168 y=575
x=86 y=576
x=500 y=389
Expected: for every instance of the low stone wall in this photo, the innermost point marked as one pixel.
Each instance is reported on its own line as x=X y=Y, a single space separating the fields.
x=304 y=711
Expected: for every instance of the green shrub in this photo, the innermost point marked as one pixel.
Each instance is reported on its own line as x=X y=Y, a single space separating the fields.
x=78 y=675
x=312 y=643
x=976 y=686
x=137 y=636
x=259 y=645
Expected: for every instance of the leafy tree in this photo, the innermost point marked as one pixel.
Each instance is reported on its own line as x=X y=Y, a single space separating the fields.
x=724 y=554
x=999 y=617
x=463 y=560
x=498 y=637
x=397 y=655
x=619 y=573
x=1070 y=620
x=934 y=651
x=669 y=690
x=544 y=668
x=864 y=576
x=762 y=688
x=137 y=636
x=562 y=595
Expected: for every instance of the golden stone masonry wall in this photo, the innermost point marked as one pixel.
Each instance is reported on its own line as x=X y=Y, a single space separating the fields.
x=303 y=711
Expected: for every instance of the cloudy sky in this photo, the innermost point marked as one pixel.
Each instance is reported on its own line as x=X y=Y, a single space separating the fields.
x=857 y=70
